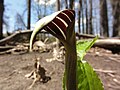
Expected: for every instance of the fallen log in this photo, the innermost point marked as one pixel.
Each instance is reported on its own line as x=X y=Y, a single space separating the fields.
x=4 y=48
x=15 y=36
x=110 y=44
x=19 y=49
x=18 y=36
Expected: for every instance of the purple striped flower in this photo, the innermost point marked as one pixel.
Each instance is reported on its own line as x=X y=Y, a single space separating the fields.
x=56 y=24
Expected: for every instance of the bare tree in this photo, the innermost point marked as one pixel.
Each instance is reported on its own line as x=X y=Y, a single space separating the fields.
x=116 y=17
x=66 y=4
x=38 y=11
x=35 y=6
x=19 y=22
x=104 y=18
x=28 y=14
x=1 y=18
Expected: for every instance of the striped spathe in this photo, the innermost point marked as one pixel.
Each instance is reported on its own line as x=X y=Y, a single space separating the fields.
x=59 y=24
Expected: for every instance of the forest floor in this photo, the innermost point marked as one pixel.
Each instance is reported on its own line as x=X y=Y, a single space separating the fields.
x=14 y=67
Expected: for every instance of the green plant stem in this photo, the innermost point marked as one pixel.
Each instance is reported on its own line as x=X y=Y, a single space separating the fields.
x=71 y=60
x=70 y=68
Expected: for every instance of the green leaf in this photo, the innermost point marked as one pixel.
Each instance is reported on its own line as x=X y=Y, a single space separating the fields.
x=87 y=79
x=83 y=46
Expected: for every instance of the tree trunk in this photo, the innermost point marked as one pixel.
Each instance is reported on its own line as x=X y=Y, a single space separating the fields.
x=29 y=14
x=66 y=4
x=83 y=28
x=104 y=18
x=86 y=15
x=71 y=4
x=79 y=16
x=58 y=5
x=1 y=18
x=116 y=17
x=82 y=12
x=90 y=18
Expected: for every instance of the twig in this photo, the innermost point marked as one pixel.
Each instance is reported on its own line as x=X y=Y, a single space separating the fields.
x=105 y=71
x=112 y=86
x=114 y=59
x=115 y=80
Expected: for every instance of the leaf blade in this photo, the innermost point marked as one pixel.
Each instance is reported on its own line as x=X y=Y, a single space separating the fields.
x=87 y=78
x=83 y=46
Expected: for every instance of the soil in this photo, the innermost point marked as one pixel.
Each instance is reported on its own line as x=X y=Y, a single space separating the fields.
x=14 y=67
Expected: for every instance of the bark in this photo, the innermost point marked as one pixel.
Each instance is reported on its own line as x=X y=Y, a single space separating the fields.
x=4 y=48
x=19 y=49
x=82 y=12
x=86 y=15
x=29 y=14
x=104 y=18
x=1 y=18
x=18 y=36
x=110 y=44
x=116 y=17
x=71 y=4
x=79 y=16
x=66 y=4
x=15 y=37
x=90 y=19
x=58 y=5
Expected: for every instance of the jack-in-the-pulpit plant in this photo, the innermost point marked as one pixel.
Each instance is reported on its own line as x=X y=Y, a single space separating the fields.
x=78 y=74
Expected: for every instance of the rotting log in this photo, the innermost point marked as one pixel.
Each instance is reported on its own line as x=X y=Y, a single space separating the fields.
x=14 y=37
x=4 y=48
x=110 y=44
x=17 y=36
